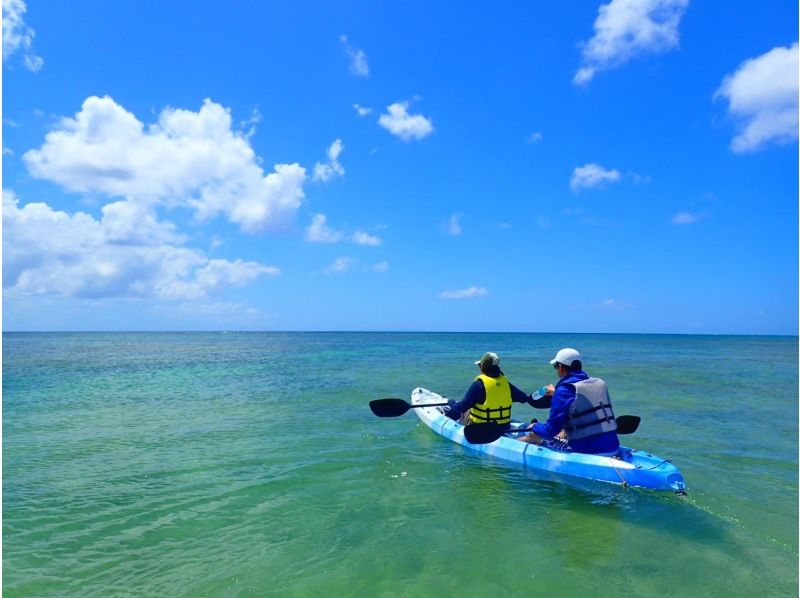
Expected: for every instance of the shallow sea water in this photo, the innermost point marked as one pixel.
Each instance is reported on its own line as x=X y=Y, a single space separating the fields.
x=214 y=464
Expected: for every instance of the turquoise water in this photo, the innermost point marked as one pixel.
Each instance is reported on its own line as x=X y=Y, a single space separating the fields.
x=211 y=464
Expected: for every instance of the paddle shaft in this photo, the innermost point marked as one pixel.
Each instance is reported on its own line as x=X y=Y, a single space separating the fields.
x=396 y=407
x=489 y=432
x=625 y=428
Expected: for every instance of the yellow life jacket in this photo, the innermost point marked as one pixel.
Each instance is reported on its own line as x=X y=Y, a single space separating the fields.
x=497 y=405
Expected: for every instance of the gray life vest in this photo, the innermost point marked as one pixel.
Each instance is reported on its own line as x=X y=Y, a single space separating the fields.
x=590 y=413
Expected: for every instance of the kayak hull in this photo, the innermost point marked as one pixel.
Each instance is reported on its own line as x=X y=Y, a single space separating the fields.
x=629 y=467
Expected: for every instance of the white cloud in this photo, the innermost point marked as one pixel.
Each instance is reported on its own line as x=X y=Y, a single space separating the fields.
x=381 y=267
x=686 y=218
x=626 y=28
x=132 y=223
x=128 y=253
x=251 y=123
x=762 y=97
x=404 y=125
x=534 y=137
x=591 y=175
x=215 y=275
x=362 y=110
x=358 y=59
x=7 y=151
x=18 y=36
x=191 y=159
x=340 y=265
x=464 y=293
x=453 y=226
x=325 y=172
x=614 y=305
x=362 y=238
x=319 y=232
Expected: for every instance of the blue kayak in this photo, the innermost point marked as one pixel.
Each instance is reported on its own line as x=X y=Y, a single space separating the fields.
x=628 y=467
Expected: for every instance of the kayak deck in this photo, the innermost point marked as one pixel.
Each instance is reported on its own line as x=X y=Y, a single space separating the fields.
x=628 y=467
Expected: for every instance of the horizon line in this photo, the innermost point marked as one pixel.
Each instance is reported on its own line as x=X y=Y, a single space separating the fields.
x=223 y=331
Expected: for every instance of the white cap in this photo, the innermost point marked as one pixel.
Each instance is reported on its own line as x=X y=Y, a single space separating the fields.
x=488 y=359
x=566 y=356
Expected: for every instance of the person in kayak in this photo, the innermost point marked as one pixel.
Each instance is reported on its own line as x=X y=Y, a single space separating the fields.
x=580 y=412
x=489 y=397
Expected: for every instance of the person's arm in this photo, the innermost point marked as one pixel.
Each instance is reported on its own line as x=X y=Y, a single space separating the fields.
x=537 y=399
x=517 y=396
x=544 y=402
x=475 y=394
x=562 y=399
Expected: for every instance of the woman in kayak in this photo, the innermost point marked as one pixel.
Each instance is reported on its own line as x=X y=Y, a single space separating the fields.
x=489 y=397
x=580 y=411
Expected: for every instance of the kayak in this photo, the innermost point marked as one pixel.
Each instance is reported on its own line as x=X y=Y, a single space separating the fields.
x=628 y=467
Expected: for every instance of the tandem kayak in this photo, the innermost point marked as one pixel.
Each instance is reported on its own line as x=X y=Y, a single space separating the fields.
x=628 y=467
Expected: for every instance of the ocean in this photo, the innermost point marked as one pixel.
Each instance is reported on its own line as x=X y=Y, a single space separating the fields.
x=233 y=464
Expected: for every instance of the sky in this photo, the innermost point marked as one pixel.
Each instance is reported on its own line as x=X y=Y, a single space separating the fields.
x=625 y=167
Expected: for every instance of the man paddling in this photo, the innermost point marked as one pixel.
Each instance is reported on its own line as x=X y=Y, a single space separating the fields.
x=489 y=397
x=580 y=407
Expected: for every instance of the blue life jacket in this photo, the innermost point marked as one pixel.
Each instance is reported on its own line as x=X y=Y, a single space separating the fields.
x=604 y=442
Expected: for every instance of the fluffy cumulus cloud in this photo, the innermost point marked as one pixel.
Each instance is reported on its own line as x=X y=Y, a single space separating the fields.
x=589 y=176
x=362 y=238
x=319 y=232
x=627 y=28
x=17 y=36
x=325 y=172
x=217 y=274
x=762 y=97
x=468 y=293
x=408 y=127
x=361 y=110
x=191 y=159
x=127 y=253
x=358 y=59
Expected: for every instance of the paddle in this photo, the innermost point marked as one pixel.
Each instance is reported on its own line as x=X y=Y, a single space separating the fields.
x=395 y=407
x=627 y=424
x=486 y=433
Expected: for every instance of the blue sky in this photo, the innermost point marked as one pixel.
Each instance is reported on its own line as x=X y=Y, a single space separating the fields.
x=628 y=166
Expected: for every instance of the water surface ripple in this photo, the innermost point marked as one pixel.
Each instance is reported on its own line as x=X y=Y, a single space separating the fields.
x=210 y=464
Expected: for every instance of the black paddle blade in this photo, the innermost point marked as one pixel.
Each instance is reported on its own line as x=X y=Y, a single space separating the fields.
x=627 y=424
x=389 y=407
x=484 y=433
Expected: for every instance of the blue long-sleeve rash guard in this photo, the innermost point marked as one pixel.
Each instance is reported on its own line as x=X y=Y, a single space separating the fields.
x=563 y=397
x=476 y=394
